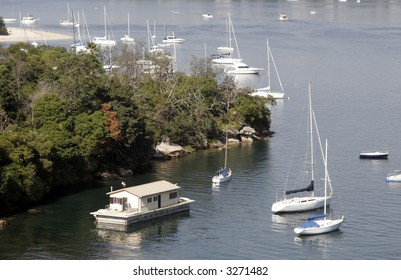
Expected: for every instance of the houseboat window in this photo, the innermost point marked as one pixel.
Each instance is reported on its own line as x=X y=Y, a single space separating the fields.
x=115 y=200
x=155 y=198
x=172 y=195
x=149 y=199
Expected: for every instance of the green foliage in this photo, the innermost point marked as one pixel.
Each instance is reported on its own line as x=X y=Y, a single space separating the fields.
x=22 y=171
x=62 y=117
x=3 y=28
x=252 y=111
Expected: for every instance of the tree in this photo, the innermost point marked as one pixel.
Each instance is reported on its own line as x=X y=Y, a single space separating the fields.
x=3 y=28
x=21 y=170
x=252 y=111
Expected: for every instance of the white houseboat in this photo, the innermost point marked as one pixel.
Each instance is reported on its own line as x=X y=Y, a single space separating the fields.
x=139 y=203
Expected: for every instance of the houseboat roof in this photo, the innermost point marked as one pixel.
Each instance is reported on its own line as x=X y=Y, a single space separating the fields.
x=149 y=188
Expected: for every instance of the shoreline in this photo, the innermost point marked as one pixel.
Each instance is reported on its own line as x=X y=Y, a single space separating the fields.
x=28 y=35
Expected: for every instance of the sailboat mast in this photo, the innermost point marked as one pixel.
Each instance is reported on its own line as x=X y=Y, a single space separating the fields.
x=228 y=117
x=147 y=23
x=268 y=64
x=275 y=69
x=225 y=155
x=105 y=21
x=311 y=137
x=228 y=37
x=68 y=13
x=73 y=27
x=233 y=34
x=229 y=33
x=325 y=179
x=128 y=25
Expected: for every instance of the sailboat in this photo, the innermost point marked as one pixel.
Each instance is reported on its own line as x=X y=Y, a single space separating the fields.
x=10 y=20
x=227 y=58
x=105 y=40
x=80 y=43
x=127 y=38
x=292 y=203
x=224 y=173
x=266 y=91
x=152 y=46
x=321 y=223
x=227 y=49
x=68 y=21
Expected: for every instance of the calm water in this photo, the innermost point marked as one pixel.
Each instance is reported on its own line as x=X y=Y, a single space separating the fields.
x=348 y=51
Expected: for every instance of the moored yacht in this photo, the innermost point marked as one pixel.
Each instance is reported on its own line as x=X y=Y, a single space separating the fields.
x=29 y=20
x=171 y=39
x=242 y=68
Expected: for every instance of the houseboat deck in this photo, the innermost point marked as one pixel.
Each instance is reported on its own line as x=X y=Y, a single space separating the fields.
x=144 y=202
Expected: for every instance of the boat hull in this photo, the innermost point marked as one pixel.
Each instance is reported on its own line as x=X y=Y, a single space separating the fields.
x=300 y=204
x=127 y=39
x=220 y=178
x=250 y=70
x=226 y=60
x=323 y=226
x=393 y=178
x=373 y=155
x=266 y=94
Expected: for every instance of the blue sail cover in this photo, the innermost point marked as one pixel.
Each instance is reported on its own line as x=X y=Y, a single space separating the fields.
x=309 y=188
x=223 y=171
x=316 y=217
x=311 y=221
x=309 y=224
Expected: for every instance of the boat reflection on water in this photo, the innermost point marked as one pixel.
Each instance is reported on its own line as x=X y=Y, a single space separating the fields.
x=129 y=244
x=286 y=222
x=320 y=241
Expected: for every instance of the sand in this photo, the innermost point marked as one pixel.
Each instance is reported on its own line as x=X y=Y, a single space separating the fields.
x=29 y=35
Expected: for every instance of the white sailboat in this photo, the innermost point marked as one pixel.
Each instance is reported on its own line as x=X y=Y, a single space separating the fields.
x=292 y=203
x=224 y=173
x=127 y=38
x=227 y=48
x=105 y=40
x=80 y=43
x=227 y=58
x=321 y=223
x=394 y=176
x=152 y=46
x=69 y=21
x=266 y=91
x=10 y=20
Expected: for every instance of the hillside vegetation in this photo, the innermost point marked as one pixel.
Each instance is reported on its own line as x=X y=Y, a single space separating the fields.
x=64 y=119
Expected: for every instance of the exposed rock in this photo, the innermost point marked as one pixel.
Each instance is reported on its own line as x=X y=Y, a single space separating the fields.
x=33 y=211
x=233 y=141
x=3 y=223
x=125 y=172
x=168 y=149
x=247 y=130
x=246 y=138
x=105 y=175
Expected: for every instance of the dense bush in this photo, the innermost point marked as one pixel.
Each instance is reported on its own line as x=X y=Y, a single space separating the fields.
x=62 y=118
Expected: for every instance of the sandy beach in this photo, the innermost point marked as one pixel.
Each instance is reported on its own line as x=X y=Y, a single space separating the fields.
x=28 y=35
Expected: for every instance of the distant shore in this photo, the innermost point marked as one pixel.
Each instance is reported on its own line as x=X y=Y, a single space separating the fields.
x=28 y=35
